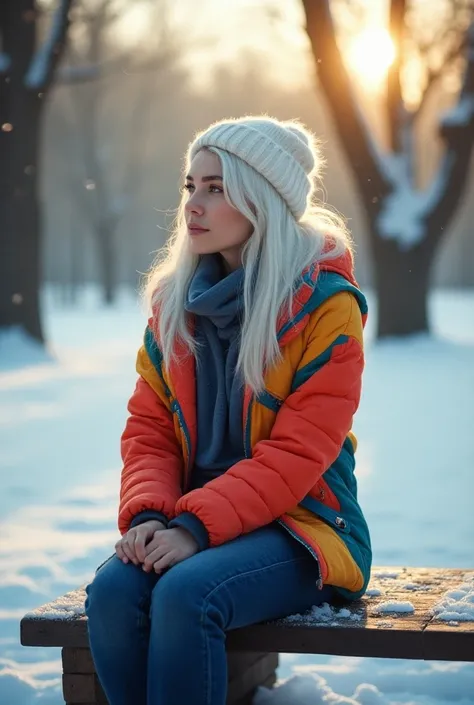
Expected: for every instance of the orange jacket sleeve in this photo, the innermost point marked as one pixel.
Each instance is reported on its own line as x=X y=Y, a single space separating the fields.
x=307 y=436
x=152 y=458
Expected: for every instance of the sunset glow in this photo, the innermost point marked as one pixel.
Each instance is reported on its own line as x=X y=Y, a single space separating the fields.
x=370 y=55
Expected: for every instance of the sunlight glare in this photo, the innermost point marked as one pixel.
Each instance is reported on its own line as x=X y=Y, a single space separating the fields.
x=370 y=55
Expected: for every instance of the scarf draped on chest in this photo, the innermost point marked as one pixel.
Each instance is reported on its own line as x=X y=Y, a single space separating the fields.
x=216 y=300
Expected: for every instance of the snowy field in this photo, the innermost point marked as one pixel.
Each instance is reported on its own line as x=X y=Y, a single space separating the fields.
x=60 y=422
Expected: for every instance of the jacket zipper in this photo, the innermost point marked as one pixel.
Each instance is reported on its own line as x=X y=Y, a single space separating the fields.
x=174 y=404
x=247 y=449
x=175 y=408
x=319 y=581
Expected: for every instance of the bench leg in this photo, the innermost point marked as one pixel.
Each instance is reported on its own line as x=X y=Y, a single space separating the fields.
x=246 y=671
x=80 y=683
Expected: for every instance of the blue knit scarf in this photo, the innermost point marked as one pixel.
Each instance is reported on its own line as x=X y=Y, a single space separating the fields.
x=216 y=299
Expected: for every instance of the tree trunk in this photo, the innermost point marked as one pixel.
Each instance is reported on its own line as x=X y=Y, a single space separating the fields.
x=22 y=94
x=402 y=280
x=19 y=209
x=76 y=260
x=107 y=255
x=19 y=226
x=401 y=270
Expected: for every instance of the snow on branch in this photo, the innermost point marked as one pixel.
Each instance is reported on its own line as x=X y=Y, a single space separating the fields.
x=462 y=114
x=408 y=215
x=405 y=210
x=46 y=57
x=402 y=211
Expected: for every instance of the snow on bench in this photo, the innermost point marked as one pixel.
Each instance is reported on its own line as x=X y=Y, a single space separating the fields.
x=414 y=613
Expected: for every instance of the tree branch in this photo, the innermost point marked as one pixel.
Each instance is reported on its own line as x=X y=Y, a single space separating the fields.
x=43 y=64
x=363 y=154
x=457 y=129
x=435 y=74
x=395 y=108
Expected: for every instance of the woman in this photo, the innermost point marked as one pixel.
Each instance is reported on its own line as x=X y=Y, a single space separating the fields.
x=238 y=498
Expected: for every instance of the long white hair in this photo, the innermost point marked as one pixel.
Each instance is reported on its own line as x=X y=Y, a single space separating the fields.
x=275 y=255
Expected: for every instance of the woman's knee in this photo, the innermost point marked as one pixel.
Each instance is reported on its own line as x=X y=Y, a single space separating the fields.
x=182 y=594
x=178 y=590
x=115 y=587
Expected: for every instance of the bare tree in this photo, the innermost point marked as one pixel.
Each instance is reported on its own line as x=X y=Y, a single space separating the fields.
x=405 y=224
x=26 y=76
x=113 y=145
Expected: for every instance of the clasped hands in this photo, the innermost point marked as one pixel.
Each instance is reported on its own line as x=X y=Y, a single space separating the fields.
x=155 y=547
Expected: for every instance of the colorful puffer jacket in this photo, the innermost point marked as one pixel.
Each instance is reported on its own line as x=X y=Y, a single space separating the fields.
x=299 y=464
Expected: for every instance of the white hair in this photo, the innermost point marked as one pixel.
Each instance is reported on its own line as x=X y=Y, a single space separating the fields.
x=274 y=257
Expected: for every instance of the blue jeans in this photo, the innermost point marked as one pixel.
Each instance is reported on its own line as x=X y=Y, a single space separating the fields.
x=161 y=640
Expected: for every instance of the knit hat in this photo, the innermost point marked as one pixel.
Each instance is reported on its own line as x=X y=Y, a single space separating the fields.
x=284 y=153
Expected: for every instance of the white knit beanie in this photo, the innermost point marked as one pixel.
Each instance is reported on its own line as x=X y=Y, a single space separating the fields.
x=283 y=152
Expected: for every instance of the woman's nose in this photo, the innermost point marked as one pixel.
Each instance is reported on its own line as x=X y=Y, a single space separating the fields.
x=193 y=205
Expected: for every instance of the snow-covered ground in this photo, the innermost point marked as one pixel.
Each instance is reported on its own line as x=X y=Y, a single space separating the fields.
x=60 y=419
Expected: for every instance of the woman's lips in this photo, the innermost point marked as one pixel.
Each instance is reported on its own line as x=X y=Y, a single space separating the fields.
x=195 y=230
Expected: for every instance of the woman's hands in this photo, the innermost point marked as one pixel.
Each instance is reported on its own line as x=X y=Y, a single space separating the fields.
x=131 y=547
x=155 y=546
x=168 y=548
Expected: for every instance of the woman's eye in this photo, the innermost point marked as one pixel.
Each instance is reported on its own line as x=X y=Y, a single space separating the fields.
x=212 y=188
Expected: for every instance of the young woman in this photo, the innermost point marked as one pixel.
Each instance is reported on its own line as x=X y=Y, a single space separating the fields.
x=238 y=499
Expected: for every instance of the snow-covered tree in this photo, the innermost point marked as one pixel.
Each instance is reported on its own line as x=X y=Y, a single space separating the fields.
x=405 y=223
x=27 y=67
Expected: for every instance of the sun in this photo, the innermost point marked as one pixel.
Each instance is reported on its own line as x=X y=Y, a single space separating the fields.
x=370 y=55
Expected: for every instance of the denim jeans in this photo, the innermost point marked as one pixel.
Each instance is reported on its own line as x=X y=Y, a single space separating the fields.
x=161 y=640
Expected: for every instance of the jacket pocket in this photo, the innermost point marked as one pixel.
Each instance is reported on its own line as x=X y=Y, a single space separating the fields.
x=330 y=516
x=327 y=496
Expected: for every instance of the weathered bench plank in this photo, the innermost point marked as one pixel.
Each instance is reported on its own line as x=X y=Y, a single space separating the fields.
x=456 y=640
x=362 y=631
x=369 y=632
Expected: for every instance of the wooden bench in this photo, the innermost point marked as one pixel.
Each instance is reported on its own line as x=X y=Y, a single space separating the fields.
x=364 y=628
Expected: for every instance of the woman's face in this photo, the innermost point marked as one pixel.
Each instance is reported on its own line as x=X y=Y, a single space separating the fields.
x=213 y=224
